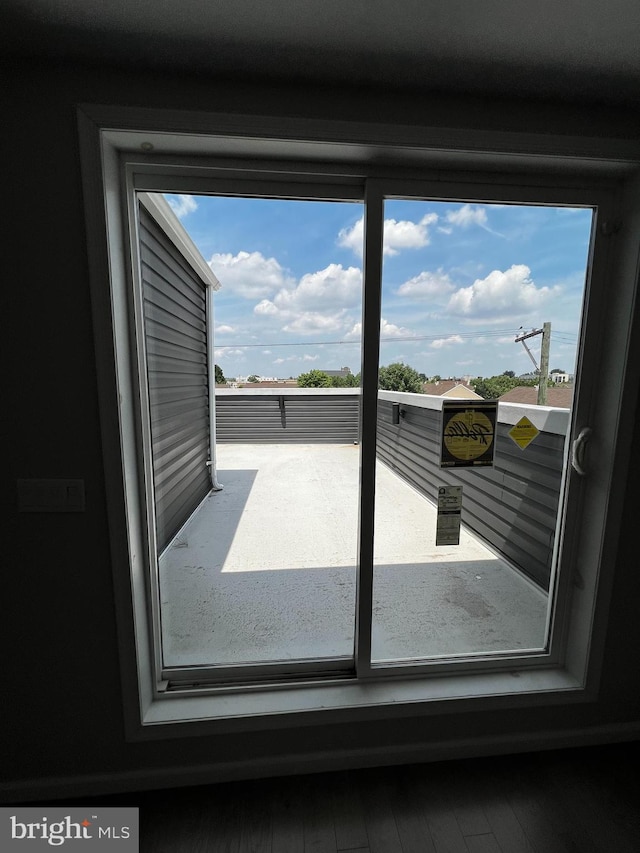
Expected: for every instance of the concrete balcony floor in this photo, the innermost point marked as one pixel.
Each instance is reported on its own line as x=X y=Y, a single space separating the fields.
x=266 y=569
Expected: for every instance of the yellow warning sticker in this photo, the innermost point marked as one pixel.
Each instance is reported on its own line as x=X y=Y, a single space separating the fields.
x=523 y=432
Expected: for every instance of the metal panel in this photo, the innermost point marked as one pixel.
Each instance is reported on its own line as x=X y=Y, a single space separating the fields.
x=512 y=505
x=281 y=418
x=176 y=342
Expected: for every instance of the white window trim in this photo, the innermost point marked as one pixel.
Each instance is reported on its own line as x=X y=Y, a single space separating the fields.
x=107 y=132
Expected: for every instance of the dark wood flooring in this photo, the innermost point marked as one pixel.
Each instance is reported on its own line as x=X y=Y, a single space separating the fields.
x=584 y=800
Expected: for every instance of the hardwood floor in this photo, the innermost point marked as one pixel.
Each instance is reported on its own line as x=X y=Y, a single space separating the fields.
x=583 y=800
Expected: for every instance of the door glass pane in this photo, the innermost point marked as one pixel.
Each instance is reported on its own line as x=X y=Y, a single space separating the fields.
x=264 y=569
x=479 y=302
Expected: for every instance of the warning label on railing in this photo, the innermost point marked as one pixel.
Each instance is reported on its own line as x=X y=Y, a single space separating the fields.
x=523 y=432
x=449 y=515
x=468 y=433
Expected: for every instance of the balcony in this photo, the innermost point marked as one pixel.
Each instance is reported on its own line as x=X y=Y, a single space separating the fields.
x=265 y=570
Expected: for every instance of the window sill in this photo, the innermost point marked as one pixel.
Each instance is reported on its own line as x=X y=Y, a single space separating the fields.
x=176 y=715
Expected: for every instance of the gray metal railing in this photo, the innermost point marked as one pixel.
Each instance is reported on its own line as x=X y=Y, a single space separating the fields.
x=283 y=415
x=512 y=505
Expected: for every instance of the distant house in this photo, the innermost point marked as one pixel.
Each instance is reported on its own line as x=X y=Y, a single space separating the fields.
x=560 y=377
x=343 y=372
x=559 y=398
x=451 y=388
x=269 y=383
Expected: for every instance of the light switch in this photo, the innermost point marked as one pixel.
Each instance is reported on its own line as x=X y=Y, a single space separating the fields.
x=51 y=495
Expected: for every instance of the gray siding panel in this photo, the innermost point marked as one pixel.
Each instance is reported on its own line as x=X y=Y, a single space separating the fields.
x=176 y=341
x=512 y=505
x=309 y=419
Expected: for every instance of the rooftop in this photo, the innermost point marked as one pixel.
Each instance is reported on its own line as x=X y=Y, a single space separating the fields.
x=450 y=388
x=557 y=398
x=266 y=569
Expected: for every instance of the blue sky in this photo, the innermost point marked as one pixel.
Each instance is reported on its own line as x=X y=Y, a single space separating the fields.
x=459 y=281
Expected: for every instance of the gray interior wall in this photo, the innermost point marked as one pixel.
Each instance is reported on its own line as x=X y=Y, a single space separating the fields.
x=62 y=715
x=512 y=504
x=176 y=344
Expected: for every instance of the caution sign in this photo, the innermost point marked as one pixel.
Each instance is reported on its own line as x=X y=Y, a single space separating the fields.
x=449 y=515
x=523 y=432
x=468 y=433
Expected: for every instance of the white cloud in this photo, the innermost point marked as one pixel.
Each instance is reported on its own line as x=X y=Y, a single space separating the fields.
x=407 y=235
x=227 y=352
x=390 y=330
x=317 y=304
x=467 y=215
x=282 y=360
x=330 y=288
x=313 y=322
x=265 y=307
x=182 y=205
x=354 y=333
x=353 y=238
x=387 y=330
x=398 y=235
x=446 y=342
x=225 y=330
x=501 y=296
x=249 y=274
x=427 y=284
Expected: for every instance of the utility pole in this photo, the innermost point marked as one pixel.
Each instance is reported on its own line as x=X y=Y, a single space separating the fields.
x=543 y=370
x=544 y=364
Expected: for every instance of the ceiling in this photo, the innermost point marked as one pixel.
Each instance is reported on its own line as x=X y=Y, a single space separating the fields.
x=579 y=50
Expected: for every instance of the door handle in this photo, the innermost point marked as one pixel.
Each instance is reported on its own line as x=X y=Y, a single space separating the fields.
x=578 y=450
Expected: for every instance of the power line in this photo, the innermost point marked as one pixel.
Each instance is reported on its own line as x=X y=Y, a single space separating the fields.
x=496 y=333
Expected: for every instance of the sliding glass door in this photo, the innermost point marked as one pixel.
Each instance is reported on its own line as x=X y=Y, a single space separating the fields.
x=481 y=301
x=400 y=372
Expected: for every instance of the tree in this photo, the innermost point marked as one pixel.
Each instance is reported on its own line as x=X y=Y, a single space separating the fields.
x=253 y=378
x=494 y=386
x=220 y=380
x=348 y=381
x=399 y=377
x=314 y=379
